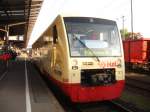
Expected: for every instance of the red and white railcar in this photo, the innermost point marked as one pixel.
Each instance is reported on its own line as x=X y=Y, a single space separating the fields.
x=83 y=56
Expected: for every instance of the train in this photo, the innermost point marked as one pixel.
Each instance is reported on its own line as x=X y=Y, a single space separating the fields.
x=83 y=56
x=137 y=53
x=6 y=55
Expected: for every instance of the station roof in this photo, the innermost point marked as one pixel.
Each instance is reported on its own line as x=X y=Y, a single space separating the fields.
x=21 y=12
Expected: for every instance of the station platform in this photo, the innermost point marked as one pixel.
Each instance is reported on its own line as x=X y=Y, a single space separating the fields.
x=23 y=90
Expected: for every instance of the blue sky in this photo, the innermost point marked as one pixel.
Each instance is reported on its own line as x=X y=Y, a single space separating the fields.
x=112 y=9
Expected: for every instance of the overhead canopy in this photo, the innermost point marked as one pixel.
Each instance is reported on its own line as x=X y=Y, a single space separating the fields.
x=19 y=16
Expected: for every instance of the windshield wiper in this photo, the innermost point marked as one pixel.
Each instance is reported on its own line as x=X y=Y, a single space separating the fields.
x=81 y=42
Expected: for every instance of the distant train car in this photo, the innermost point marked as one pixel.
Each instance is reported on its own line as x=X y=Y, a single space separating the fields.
x=137 y=53
x=83 y=56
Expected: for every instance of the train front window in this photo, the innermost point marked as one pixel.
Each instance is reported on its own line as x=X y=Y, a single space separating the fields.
x=96 y=37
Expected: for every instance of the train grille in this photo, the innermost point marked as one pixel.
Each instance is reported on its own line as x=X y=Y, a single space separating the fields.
x=97 y=77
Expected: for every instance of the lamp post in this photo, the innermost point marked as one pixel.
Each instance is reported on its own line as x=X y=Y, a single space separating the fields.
x=130 y=65
x=132 y=19
x=123 y=29
x=7 y=34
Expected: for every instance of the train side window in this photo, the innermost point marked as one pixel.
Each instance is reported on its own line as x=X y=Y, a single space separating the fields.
x=55 y=35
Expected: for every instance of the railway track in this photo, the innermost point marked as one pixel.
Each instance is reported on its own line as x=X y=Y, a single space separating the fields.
x=139 y=86
x=105 y=106
x=138 y=80
x=138 y=70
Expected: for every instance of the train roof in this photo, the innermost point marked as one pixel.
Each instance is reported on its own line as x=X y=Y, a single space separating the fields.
x=82 y=15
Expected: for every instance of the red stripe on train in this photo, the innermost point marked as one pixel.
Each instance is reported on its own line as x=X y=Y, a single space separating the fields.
x=78 y=93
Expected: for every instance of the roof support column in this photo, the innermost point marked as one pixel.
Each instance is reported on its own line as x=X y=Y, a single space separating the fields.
x=7 y=34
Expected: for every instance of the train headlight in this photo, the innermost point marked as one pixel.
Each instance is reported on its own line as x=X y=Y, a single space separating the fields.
x=74 y=62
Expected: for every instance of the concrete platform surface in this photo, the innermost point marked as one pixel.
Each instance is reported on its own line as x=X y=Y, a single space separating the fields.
x=23 y=90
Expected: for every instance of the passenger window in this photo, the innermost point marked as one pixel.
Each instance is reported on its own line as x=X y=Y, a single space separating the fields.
x=55 y=35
